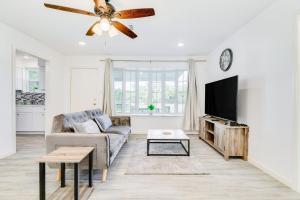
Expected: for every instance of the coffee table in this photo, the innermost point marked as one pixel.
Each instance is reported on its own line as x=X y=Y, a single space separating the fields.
x=162 y=136
x=67 y=155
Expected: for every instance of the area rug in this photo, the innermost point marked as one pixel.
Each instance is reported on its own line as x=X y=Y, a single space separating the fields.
x=141 y=164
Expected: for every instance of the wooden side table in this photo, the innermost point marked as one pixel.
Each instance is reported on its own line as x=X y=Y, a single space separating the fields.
x=66 y=155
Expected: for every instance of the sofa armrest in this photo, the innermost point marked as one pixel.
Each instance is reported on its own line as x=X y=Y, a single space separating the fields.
x=121 y=120
x=99 y=141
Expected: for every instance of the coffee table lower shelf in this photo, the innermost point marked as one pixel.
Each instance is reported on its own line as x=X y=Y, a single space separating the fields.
x=168 y=141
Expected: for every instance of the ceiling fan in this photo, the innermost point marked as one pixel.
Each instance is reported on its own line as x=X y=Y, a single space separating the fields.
x=107 y=14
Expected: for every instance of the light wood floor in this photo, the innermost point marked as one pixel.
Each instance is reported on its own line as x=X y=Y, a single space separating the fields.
x=233 y=180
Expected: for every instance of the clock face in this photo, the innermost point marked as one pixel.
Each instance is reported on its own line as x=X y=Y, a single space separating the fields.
x=226 y=59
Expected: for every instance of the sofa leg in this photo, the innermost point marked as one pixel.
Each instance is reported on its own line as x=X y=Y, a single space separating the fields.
x=104 y=174
x=58 y=175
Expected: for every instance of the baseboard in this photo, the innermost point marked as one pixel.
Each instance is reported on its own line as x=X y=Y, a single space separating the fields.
x=272 y=174
x=6 y=155
x=30 y=133
x=138 y=133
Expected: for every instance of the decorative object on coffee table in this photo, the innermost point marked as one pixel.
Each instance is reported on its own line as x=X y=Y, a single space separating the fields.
x=167 y=133
x=67 y=155
x=159 y=136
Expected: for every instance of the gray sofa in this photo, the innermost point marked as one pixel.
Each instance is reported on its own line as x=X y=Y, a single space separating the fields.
x=107 y=145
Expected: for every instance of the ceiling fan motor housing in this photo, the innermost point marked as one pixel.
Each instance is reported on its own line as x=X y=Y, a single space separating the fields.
x=110 y=10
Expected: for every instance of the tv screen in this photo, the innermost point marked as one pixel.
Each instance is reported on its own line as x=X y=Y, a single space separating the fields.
x=221 y=98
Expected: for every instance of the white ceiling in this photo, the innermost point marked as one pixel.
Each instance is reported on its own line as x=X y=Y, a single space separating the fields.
x=200 y=24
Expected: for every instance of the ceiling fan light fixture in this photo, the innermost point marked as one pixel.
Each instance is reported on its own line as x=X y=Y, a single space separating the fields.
x=105 y=24
x=113 y=32
x=97 y=29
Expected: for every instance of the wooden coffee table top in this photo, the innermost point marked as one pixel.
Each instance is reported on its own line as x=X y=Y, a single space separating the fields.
x=67 y=155
x=163 y=134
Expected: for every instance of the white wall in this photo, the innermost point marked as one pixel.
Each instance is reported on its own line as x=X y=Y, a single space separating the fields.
x=11 y=39
x=140 y=124
x=265 y=60
x=298 y=105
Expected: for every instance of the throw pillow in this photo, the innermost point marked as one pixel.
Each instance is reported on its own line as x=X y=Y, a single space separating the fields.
x=103 y=122
x=86 y=127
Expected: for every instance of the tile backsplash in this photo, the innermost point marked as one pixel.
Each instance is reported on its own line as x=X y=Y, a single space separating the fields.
x=28 y=98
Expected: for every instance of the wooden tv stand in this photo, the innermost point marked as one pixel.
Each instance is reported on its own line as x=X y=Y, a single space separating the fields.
x=230 y=141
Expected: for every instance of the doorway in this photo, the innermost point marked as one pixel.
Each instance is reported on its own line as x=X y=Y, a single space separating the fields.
x=30 y=94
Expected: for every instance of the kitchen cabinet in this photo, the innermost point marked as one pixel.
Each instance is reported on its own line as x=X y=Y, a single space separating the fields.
x=30 y=118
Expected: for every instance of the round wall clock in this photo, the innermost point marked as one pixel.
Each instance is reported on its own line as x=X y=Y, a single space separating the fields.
x=226 y=59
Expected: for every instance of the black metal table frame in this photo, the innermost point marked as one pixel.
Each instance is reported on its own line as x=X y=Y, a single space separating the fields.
x=42 y=171
x=168 y=141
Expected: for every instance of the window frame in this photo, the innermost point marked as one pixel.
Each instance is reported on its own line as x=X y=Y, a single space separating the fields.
x=27 y=81
x=137 y=80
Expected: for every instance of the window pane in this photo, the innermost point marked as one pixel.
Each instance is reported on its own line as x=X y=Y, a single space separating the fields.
x=118 y=90
x=156 y=90
x=182 y=90
x=32 y=79
x=170 y=92
x=118 y=96
x=33 y=74
x=130 y=88
x=118 y=75
x=143 y=92
x=33 y=86
x=182 y=75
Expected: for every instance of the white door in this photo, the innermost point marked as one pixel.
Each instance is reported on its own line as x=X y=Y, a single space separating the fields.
x=84 y=89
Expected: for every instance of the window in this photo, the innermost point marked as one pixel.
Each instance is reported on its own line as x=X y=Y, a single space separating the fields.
x=32 y=78
x=136 y=89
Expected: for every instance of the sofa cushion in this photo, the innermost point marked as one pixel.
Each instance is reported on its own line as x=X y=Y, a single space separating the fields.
x=115 y=143
x=103 y=122
x=86 y=127
x=94 y=113
x=71 y=118
x=123 y=130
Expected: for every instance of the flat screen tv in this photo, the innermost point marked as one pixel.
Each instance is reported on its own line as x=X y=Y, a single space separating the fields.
x=221 y=98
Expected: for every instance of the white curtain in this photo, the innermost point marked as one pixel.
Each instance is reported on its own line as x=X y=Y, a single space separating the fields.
x=192 y=108
x=108 y=89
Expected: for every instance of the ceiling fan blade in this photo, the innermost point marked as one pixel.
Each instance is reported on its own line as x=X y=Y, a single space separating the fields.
x=68 y=9
x=122 y=28
x=90 y=32
x=101 y=4
x=134 y=13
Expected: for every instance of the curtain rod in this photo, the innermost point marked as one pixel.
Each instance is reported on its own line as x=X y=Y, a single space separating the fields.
x=154 y=60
